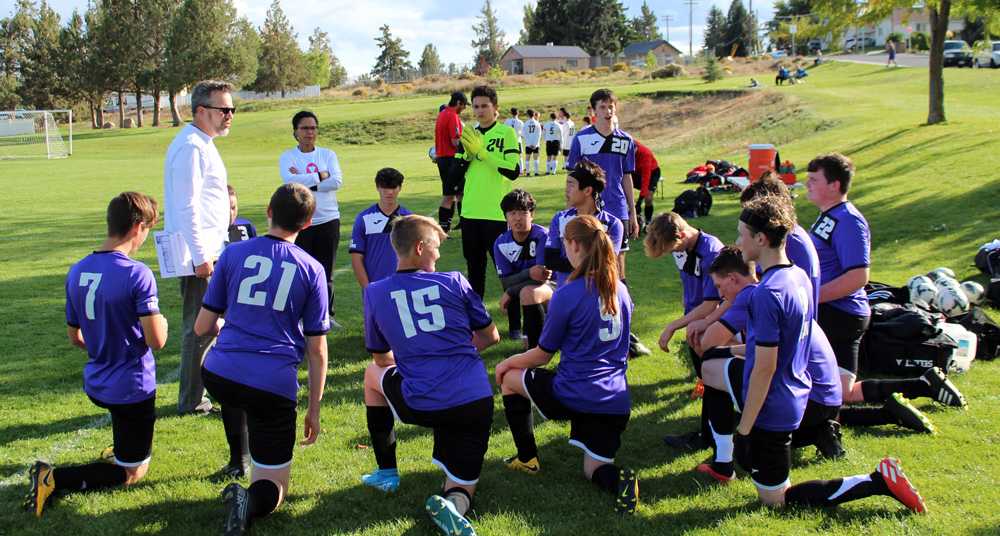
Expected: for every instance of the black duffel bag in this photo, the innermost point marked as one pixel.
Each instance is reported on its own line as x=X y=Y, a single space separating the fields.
x=904 y=340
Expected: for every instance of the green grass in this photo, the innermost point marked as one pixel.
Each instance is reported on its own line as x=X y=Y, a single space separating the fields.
x=931 y=195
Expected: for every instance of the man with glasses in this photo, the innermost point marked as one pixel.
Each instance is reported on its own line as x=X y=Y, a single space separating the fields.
x=318 y=169
x=196 y=206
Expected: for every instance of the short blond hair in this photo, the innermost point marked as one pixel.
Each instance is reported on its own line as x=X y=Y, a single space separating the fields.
x=408 y=230
x=663 y=233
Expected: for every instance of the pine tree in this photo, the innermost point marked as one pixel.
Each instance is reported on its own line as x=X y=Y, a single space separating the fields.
x=715 y=31
x=528 y=22
x=15 y=35
x=393 y=59
x=281 y=65
x=430 y=62
x=40 y=80
x=490 y=42
x=713 y=71
x=317 y=58
x=737 y=29
x=644 y=27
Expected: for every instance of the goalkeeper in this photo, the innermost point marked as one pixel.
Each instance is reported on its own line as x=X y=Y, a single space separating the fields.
x=493 y=154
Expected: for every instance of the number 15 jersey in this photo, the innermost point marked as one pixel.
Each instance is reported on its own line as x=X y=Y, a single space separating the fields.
x=427 y=320
x=273 y=295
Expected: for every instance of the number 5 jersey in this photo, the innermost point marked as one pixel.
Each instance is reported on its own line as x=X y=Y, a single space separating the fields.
x=273 y=295
x=426 y=319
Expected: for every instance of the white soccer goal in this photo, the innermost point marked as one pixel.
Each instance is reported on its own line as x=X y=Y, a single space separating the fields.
x=36 y=134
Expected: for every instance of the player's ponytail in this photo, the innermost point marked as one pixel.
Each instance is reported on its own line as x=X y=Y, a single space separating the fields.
x=599 y=265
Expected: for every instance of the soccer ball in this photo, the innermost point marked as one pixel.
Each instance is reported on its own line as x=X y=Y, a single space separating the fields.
x=938 y=273
x=952 y=302
x=432 y=153
x=943 y=282
x=974 y=291
x=922 y=290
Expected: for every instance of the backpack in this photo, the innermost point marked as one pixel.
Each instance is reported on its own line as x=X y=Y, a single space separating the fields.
x=988 y=261
x=693 y=203
x=904 y=340
x=986 y=330
x=883 y=293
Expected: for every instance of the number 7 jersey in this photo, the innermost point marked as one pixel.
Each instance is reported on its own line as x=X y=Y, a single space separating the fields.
x=426 y=319
x=273 y=295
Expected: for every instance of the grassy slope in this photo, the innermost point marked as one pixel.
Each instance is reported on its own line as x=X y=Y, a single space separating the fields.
x=930 y=193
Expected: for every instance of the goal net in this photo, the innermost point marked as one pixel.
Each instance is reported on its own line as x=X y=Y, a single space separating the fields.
x=36 y=134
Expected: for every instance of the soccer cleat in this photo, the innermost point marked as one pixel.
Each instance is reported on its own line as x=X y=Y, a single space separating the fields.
x=708 y=468
x=907 y=415
x=107 y=455
x=230 y=472
x=532 y=467
x=942 y=390
x=386 y=480
x=443 y=514
x=828 y=441
x=43 y=484
x=688 y=441
x=698 y=391
x=900 y=486
x=635 y=346
x=335 y=325
x=627 y=496
x=237 y=500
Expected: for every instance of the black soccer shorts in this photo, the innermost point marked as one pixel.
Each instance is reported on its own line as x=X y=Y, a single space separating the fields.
x=531 y=149
x=844 y=332
x=452 y=179
x=767 y=456
x=552 y=148
x=461 y=433
x=270 y=419
x=132 y=429
x=599 y=435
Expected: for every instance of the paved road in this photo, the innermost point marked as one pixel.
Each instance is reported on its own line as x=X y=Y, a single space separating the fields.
x=904 y=60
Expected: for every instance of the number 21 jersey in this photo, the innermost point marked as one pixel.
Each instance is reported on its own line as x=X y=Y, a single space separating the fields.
x=273 y=295
x=427 y=320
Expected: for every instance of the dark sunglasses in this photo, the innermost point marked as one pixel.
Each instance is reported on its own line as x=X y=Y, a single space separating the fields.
x=230 y=111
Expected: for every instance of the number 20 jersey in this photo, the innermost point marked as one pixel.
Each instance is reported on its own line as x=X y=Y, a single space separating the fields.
x=273 y=295
x=427 y=320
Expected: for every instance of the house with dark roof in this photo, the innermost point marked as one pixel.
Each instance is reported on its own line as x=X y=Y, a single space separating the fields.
x=635 y=53
x=530 y=59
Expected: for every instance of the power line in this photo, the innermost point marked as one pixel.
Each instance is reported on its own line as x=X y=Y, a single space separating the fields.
x=690 y=4
x=667 y=19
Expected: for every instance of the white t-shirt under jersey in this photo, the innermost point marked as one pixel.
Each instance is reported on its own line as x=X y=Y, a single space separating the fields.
x=553 y=131
x=308 y=166
x=532 y=133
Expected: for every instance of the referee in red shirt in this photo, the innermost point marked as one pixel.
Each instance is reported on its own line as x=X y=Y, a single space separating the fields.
x=645 y=179
x=447 y=131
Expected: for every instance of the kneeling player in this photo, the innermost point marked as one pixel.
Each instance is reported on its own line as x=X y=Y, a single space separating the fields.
x=589 y=324
x=425 y=331
x=274 y=298
x=776 y=383
x=520 y=258
x=112 y=312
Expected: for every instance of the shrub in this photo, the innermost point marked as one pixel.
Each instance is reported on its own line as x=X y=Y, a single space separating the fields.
x=896 y=37
x=602 y=70
x=672 y=70
x=495 y=74
x=467 y=75
x=920 y=41
x=713 y=71
x=360 y=92
x=619 y=67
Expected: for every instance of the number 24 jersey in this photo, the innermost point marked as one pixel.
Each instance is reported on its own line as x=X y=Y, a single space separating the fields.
x=427 y=320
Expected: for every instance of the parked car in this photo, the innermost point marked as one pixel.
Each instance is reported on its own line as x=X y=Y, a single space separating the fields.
x=957 y=53
x=815 y=45
x=987 y=54
x=864 y=42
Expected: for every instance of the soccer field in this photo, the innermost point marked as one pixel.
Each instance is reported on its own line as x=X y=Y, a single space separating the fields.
x=931 y=195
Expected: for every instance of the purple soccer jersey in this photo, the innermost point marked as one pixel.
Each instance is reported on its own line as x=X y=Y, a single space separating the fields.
x=426 y=319
x=106 y=294
x=242 y=230
x=512 y=257
x=843 y=243
x=370 y=238
x=615 y=154
x=693 y=265
x=273 y=295
x=781 y=315
x=557 y=228
x=593 y=348
x=800 y=250
x=823 y=370
x=735 y=317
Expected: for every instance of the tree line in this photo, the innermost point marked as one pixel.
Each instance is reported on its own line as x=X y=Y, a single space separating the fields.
x=600 y=27
x=150 y=47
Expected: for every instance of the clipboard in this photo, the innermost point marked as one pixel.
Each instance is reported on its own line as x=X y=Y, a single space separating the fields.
x=173 y=255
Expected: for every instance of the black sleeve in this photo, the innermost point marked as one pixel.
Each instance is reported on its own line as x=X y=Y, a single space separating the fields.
x=555 y=262
x=514 y=279
x=511 y=174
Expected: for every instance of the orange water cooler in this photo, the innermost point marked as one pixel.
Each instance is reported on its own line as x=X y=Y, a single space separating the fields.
x=763 y=158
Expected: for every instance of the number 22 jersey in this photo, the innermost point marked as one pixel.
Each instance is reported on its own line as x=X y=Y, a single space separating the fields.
x=273 y=295
x=426 y=319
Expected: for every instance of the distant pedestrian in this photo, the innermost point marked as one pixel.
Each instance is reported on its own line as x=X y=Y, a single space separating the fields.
x=890 y=48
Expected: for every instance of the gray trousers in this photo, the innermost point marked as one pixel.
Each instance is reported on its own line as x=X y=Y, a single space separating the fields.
x=191 y=396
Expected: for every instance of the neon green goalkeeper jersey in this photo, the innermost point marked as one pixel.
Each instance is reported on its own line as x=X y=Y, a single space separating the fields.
x=491 y=177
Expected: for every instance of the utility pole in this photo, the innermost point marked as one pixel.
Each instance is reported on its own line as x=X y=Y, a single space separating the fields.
x=690 y=4
x=667 y=19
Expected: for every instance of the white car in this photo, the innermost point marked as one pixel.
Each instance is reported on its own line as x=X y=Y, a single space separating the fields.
x=988 y=54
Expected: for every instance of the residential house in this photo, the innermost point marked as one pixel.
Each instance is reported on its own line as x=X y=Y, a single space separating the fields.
x=531 y=59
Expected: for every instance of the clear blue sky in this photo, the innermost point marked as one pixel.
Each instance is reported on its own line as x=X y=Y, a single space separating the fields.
x=353 y=24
